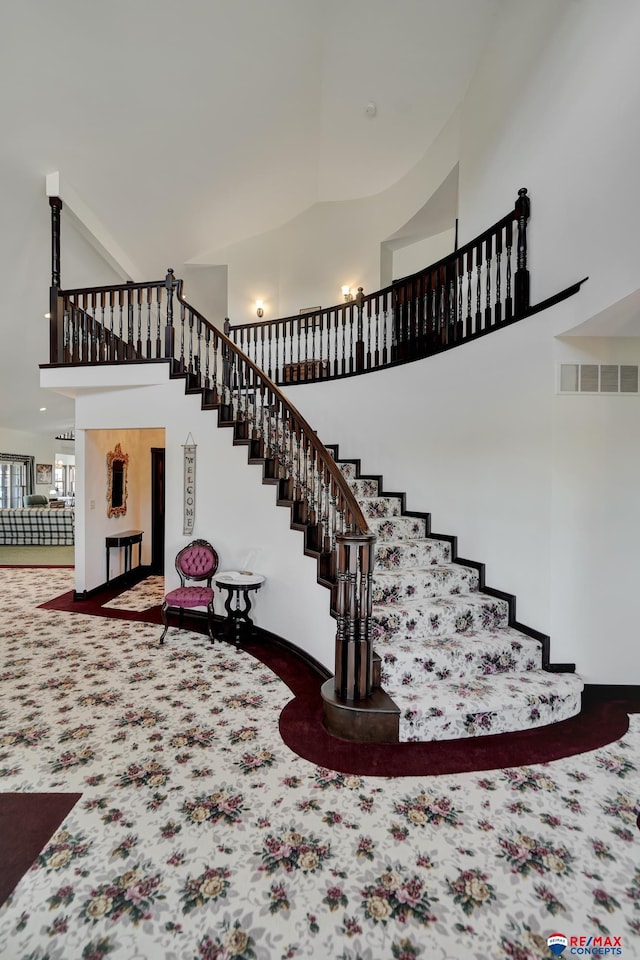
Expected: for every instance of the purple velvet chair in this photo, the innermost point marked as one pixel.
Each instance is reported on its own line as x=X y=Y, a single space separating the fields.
x=198 y=561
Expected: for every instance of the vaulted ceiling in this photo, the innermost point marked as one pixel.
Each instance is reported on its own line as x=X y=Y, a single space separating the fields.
x=187 y=126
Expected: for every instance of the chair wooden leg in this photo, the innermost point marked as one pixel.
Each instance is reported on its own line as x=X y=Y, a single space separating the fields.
x=210 y=621
x=163 y=612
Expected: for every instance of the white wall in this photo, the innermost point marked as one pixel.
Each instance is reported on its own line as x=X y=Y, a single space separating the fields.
x=307 y=260
x=542 y=488
x=234 y=510
x=467 y=436
x=413 y=257
x=596 y=515
x=553 y=107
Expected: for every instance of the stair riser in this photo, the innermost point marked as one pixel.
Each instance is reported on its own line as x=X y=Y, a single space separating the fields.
x=443 y=616
x=439 y=581
x=411 y=554
x=460 y=725
x=392 y=529
x=455 y=658
x=348 y=470
x=364 y=488
x=374 y=508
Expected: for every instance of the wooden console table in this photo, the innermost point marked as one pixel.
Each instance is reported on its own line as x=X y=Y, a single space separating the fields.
x=125 y=539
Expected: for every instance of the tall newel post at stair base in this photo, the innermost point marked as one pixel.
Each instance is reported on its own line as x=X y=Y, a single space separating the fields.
x=523 y=210
x=354 y=649
x=56 y=315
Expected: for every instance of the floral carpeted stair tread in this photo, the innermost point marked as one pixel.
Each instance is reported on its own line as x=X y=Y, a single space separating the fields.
x=374 y=508
x=438 y=616
x=410 y=553
x=395 y=586
x=484 y=705
x=418 y=662
x=391 y=529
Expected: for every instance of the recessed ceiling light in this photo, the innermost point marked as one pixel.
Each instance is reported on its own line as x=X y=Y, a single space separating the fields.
x=42 y=409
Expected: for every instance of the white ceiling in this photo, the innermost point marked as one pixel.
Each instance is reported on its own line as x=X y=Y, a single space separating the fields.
x=187 y=126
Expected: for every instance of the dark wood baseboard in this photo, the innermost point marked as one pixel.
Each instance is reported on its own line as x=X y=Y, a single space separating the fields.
x=560 y=668
x=115 y=585
x=626 y=694
x=314 y=665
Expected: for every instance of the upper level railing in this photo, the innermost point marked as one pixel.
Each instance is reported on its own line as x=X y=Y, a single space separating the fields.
x=479 y=287
x=137 y=322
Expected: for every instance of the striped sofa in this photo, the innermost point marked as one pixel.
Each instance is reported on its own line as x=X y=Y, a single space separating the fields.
x=33 y=526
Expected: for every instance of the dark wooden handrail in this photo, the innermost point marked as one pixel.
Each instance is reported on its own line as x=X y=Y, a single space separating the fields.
x=360 y=524
x=481 y=286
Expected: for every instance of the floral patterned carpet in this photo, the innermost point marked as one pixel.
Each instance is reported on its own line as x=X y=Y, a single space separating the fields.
x=146 y=594
x=199 y=834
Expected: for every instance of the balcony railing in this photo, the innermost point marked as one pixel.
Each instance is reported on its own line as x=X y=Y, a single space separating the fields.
x=480 y=287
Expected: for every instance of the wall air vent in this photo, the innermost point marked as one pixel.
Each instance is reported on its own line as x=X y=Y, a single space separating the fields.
x=602 y=378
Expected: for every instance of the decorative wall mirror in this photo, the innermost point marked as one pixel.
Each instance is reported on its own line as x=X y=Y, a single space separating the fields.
x=117 y=465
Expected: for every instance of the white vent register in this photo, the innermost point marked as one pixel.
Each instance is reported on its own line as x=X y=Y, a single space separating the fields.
x=603 y=378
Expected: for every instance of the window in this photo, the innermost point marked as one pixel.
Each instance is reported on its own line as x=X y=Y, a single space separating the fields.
x=13 y=482
x=61 y=479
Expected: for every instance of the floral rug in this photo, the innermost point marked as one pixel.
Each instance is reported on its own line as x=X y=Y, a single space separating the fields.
x=201 y=835
x=143 y=596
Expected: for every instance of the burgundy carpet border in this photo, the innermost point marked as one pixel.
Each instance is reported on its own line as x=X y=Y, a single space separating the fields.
x=27 y=823
x=303 y=731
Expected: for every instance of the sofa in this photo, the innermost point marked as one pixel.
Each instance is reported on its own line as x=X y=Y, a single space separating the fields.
x=34 y=500
x=27 y=526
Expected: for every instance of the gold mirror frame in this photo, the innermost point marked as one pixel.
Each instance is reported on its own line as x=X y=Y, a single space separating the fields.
x=117 y=469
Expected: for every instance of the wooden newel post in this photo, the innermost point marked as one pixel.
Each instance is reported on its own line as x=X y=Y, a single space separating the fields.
x=354 y=648
x=169 y=332
x=56 y=314
x=226 y=359
x=55 y=203
x=360 y=330
x=521 y=291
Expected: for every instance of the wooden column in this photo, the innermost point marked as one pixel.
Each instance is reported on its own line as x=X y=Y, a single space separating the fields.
x=521 y=279
x=56 y=312
x=359 y=331
x=169 y=333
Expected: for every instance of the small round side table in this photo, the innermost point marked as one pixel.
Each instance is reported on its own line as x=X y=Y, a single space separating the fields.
x=239 y=587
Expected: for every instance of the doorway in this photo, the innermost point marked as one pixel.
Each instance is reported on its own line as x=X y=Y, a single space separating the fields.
x=157 y=510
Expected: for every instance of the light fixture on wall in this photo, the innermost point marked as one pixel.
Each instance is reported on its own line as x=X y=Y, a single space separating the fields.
x=260 y=308
x=346 y=293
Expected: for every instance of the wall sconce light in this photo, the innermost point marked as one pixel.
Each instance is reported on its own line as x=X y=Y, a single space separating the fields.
x=260 y=308
x=346 y=292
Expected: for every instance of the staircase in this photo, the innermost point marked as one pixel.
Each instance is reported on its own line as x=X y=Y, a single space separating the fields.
x=450 y=659
x=451 y=656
